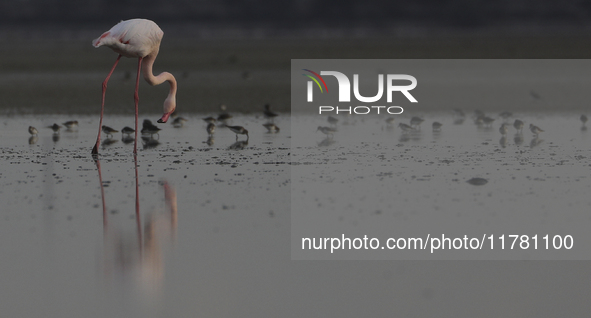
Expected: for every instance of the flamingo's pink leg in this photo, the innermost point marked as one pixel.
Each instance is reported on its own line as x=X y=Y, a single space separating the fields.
x=98 y=138
x=136 y=97
x=137 y=207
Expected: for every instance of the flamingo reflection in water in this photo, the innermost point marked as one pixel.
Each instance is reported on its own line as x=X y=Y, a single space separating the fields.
x=139 y=255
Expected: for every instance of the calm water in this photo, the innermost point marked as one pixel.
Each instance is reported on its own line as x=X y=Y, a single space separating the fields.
x=212 y=236
x=207 y=214
x=370 y=178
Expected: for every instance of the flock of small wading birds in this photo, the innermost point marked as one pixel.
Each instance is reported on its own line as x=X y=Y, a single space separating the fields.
x=149 y=130
x=480 y=119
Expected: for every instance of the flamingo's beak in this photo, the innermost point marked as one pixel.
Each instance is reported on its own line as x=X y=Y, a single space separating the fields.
x=164 y=118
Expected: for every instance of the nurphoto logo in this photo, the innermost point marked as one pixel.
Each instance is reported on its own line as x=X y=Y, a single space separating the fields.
x=344 y=92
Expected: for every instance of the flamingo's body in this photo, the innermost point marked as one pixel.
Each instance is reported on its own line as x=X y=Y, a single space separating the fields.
x=138 y=38
x=132 y=38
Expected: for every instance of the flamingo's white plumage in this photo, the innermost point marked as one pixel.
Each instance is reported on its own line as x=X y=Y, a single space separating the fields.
x=139 y=38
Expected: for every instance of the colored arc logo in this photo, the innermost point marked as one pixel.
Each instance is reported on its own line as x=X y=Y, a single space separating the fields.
x=315 y=80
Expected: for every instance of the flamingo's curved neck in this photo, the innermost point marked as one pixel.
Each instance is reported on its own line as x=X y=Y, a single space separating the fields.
x=170 y=102
x=156 y=80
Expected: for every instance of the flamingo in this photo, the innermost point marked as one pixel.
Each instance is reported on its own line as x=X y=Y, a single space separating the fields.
x=137 y=38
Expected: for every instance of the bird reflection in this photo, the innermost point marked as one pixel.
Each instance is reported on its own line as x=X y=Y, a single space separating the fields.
x=436 y=135
x=404 y=138
x=210 y=129
x=127 y=139
x=139 y=257
x=239 y=145
x=536 y=141
x=409 y=133
x=326 y=142
x=518 y=139
x=55 y=137
x=108 y=142
x=149 y=142
x=33 y=140
x=210 y=141
x=503 y=141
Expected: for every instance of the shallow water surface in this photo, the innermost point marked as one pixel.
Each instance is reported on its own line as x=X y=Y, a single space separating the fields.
x=76 y=233
x=209 y=234
x=371 y=178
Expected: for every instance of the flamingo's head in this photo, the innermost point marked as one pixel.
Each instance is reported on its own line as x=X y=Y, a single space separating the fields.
x=168 y=109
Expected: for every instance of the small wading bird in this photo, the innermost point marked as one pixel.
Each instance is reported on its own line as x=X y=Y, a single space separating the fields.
x=137 y=38
x=405 y=128
x=179 y=122
x=416 y=122
x=127 y=130
x=210 y=129
x=535 y=129
x=487 y=121
x=209 y=120
x=271 y=128
x=239 y=130
x=71 y=124
x=331 y=120
x=328 y=131
x=109 y=131
x=436 y=126
x=504 y=129
x=32 y=130
x=518 y=124
x=224 y=116
x=55 y=128
x=126 y=134
x=150 y=129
